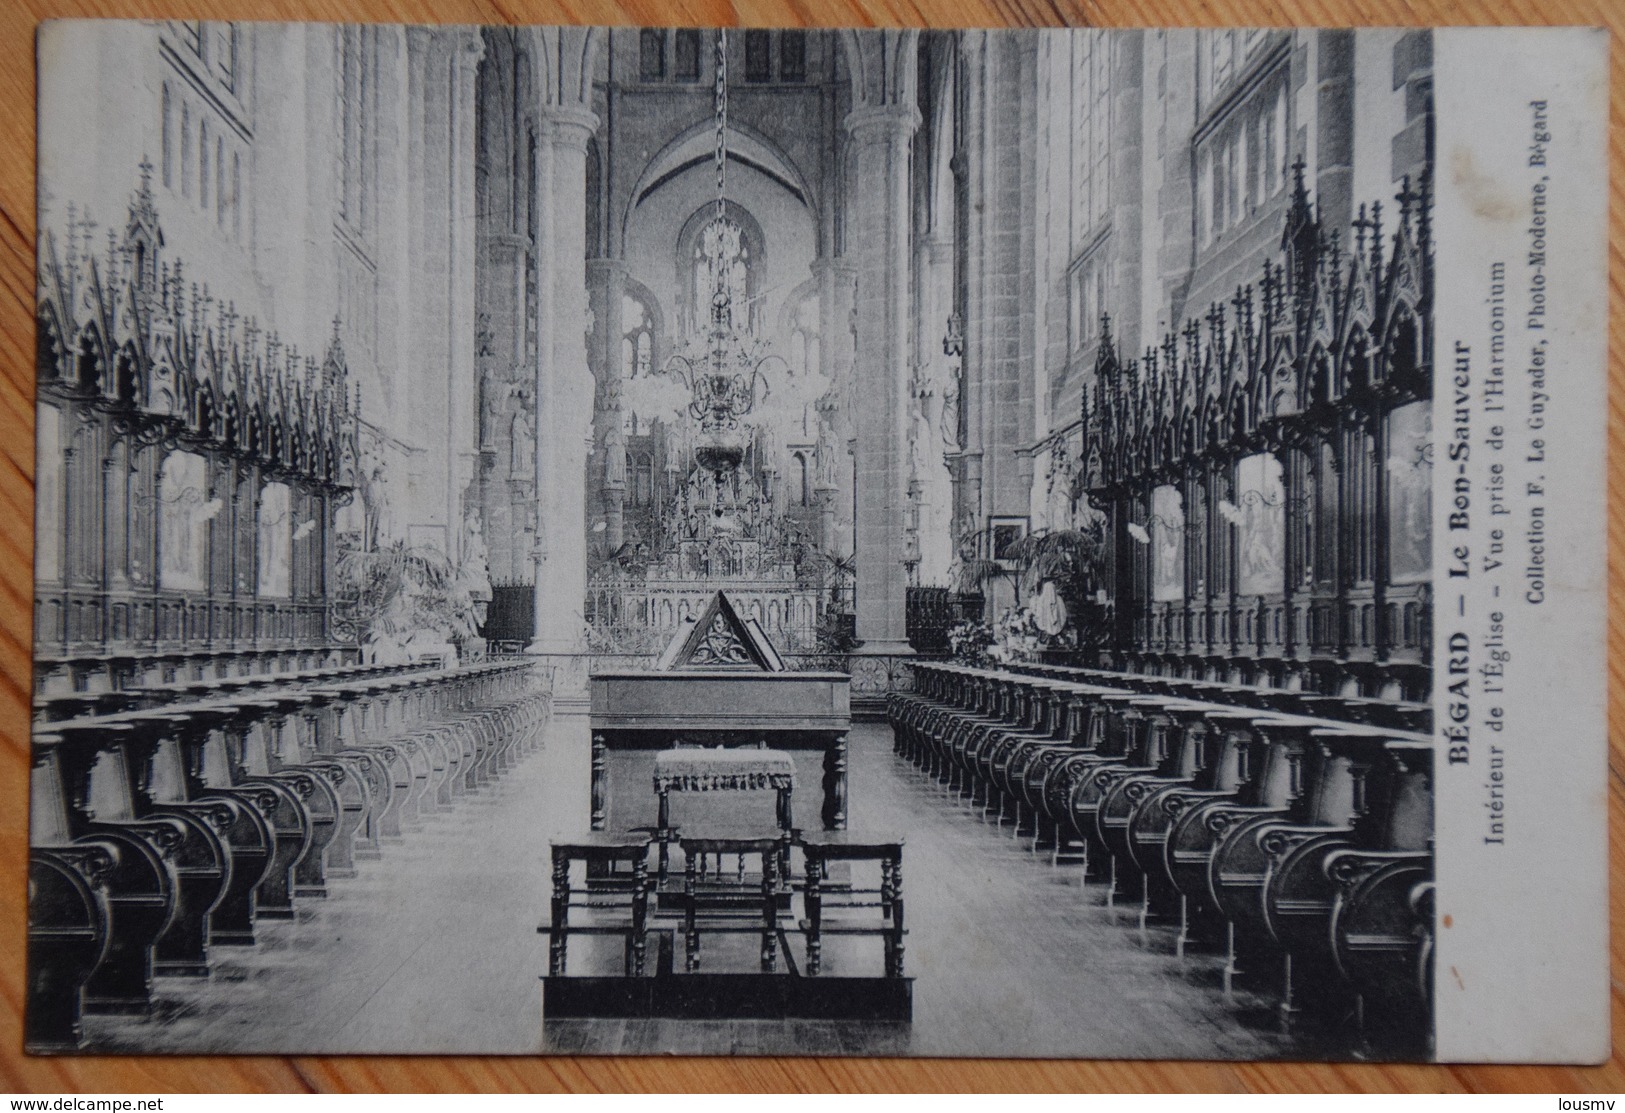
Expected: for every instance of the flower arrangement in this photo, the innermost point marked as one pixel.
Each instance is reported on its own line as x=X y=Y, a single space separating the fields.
x=1017 y=634
x=969 y=642
x=1017 y=624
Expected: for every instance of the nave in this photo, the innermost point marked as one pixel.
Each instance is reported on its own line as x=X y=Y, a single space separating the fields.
x=808 y=361
x=433 y=948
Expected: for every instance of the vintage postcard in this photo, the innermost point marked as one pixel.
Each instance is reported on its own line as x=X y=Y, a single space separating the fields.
x=1070 y=543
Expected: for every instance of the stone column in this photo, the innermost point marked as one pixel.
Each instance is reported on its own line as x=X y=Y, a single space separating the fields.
x=1413 y=68
x=462 y=432
x=1334 y=145
x=935 y=260
x=970 y=194
x=607 y=287
x=826 y=496
x=564 y=385
x=999 y=286
x=1173 y=213
x=835 y=356
x=881 y=137
x=1129 y=328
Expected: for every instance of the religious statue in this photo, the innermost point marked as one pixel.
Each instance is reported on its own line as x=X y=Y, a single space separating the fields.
x=494 y=394
x=824 y=456
x=948 y=421
x=1058 y=490
x=375 y=497
x=522 y=448
x=475 y=574
x=921 y=392
x=692 y=519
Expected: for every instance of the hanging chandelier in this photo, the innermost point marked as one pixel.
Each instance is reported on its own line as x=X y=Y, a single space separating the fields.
x=723 y=366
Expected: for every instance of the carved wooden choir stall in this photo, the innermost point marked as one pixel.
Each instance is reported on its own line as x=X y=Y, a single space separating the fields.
x=1289 y=833
x=1253 y=762
x=209 y=751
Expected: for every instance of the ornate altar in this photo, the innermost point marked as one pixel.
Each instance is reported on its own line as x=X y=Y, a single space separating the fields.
x=714 y=533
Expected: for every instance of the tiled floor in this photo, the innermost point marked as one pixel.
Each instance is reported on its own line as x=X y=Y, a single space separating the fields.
x=434 y=949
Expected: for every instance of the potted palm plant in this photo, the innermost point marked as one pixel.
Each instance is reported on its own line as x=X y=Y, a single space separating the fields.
x=973 y=574
x=398 y=600
x=1072 y=560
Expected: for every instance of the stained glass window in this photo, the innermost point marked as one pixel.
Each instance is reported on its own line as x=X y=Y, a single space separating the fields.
x=686 y=55
x=652 y=54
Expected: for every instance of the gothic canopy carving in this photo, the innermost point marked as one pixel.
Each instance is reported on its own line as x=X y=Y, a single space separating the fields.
x=1328 y=332
x=120 y=329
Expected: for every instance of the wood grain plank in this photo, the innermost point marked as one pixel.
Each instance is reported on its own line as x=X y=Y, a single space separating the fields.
x=18 y=1072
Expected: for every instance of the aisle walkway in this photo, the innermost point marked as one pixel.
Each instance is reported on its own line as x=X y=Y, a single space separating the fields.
x=1011 y=956
x=434 y=948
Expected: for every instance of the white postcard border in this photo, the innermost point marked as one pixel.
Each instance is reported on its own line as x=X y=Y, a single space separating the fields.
x=1521 y=962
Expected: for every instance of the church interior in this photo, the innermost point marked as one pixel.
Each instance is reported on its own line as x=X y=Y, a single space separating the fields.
x=986 y=472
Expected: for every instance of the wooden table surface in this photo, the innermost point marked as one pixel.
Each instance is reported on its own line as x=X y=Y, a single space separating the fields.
x=130 y=1075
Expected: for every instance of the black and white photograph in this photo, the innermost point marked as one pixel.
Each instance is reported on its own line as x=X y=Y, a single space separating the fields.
x=550 y=540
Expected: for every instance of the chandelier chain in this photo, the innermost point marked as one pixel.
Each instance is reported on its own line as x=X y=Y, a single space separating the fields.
x=722 y=120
